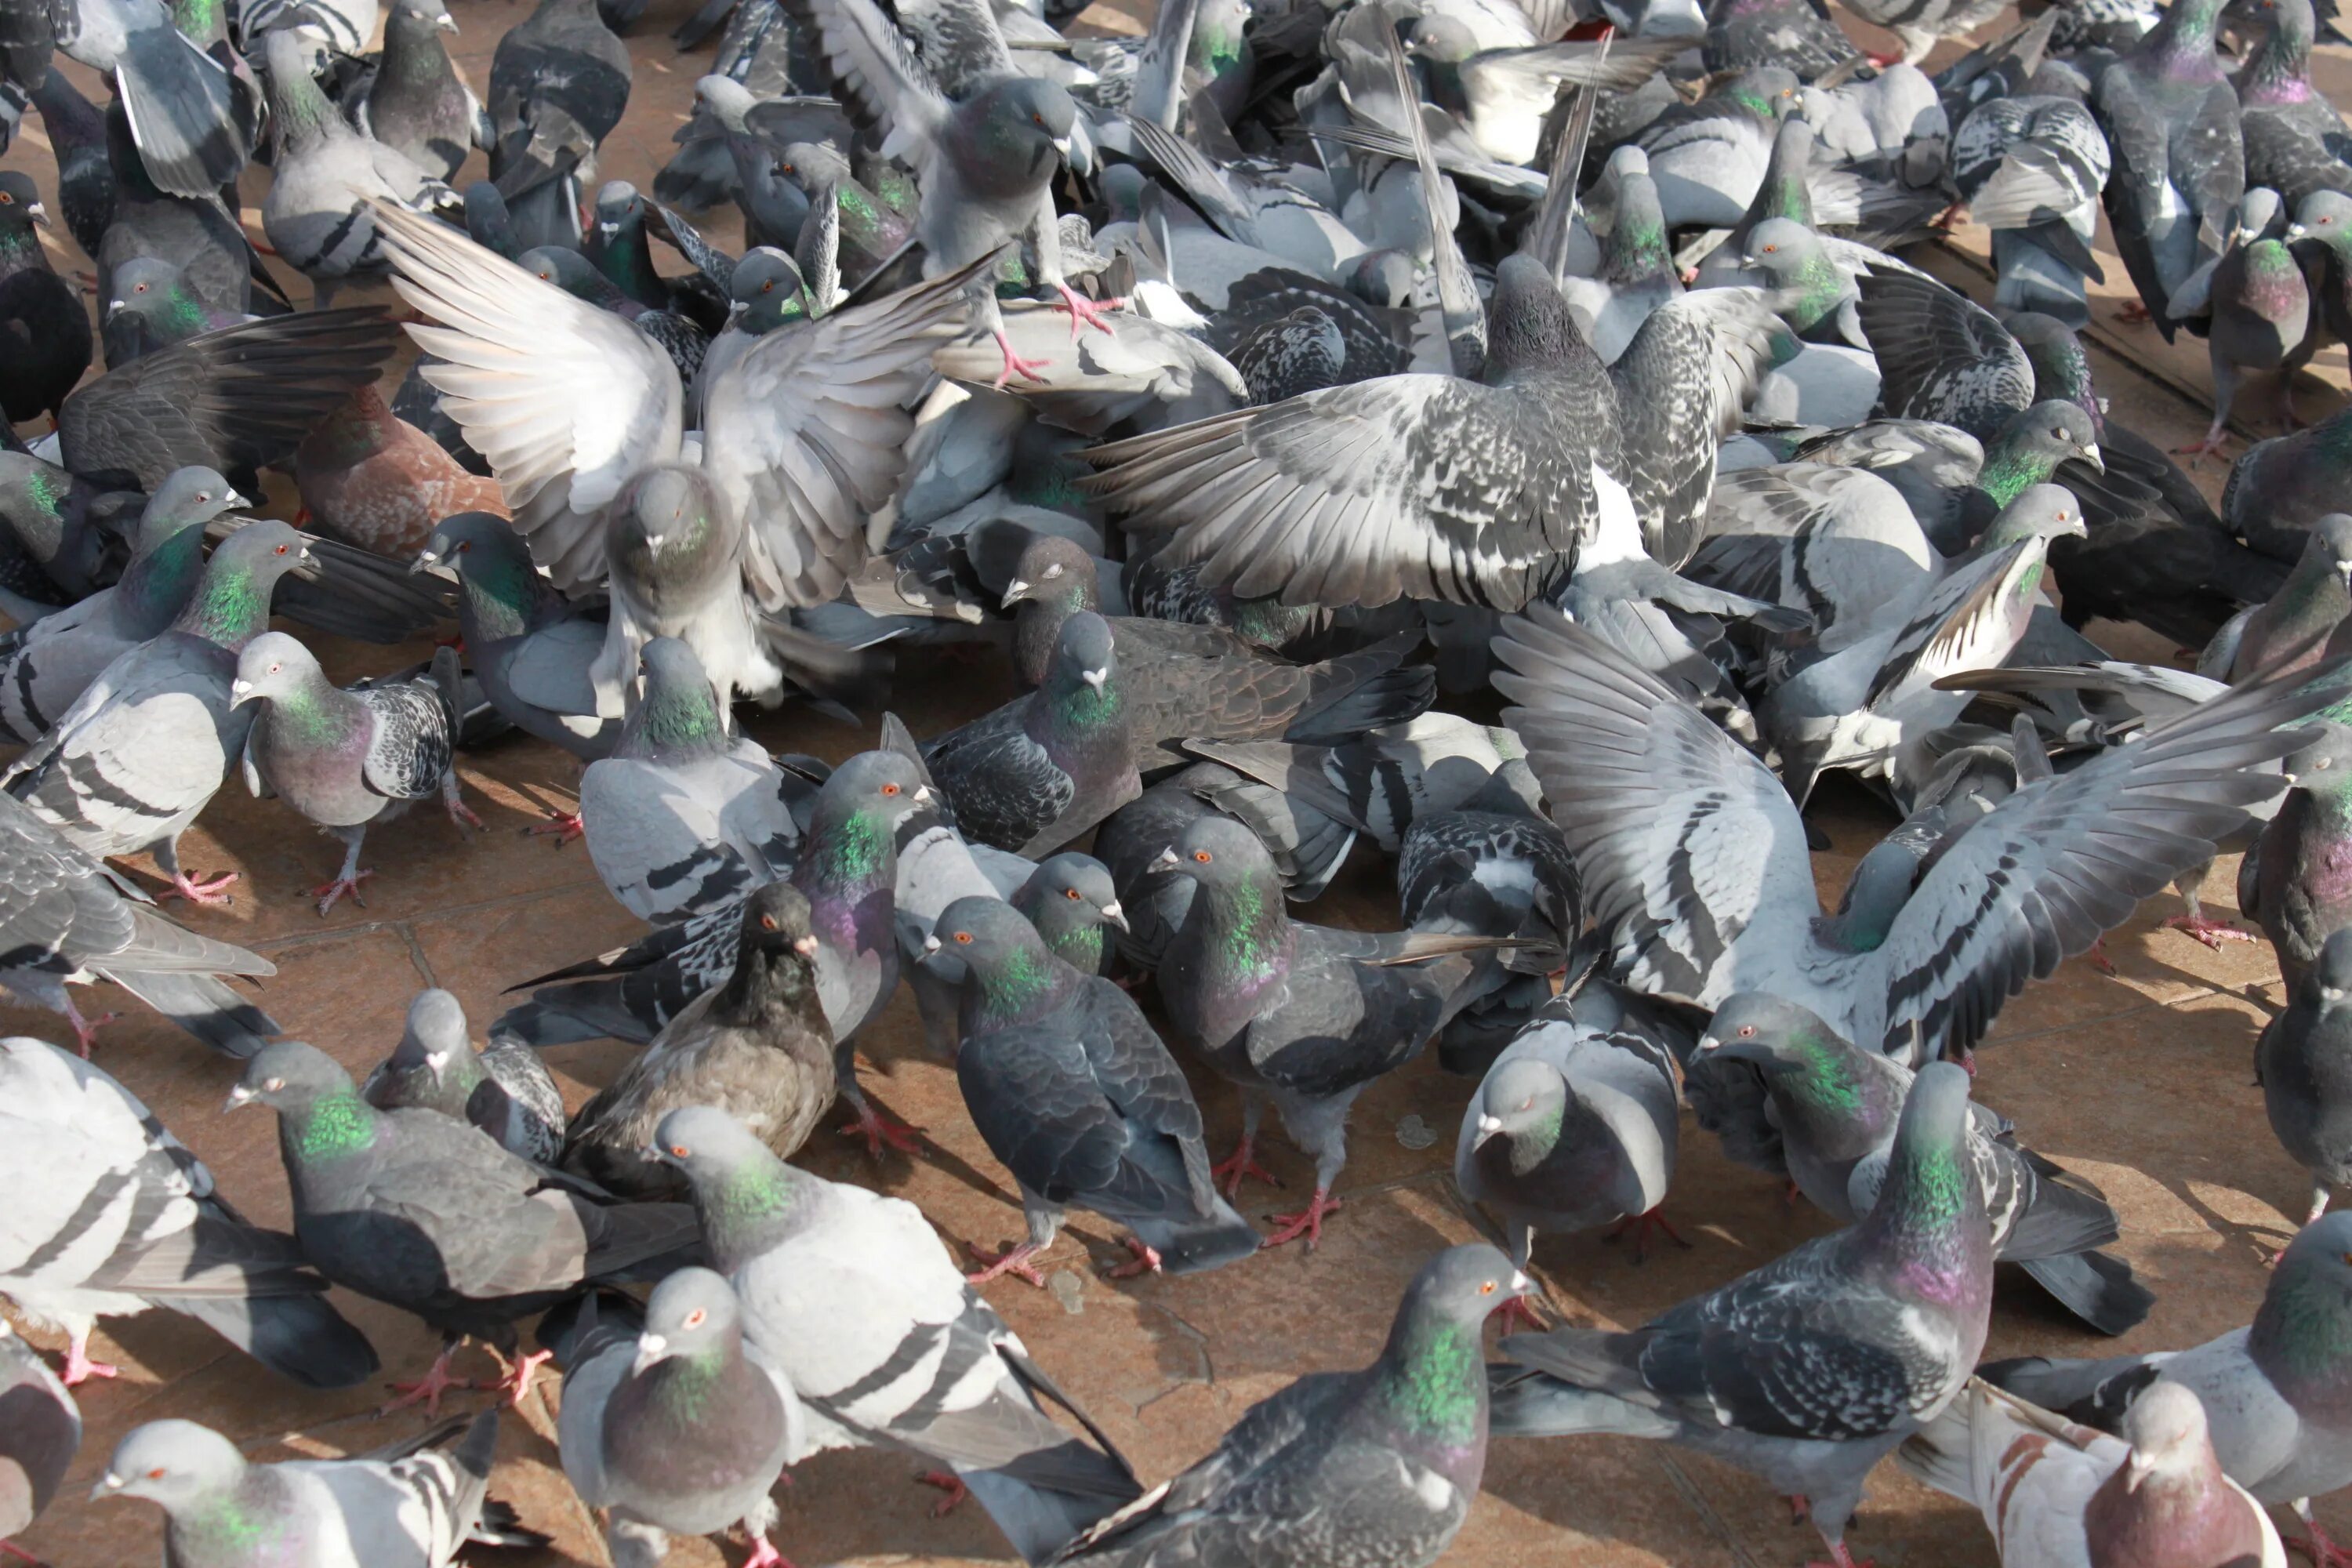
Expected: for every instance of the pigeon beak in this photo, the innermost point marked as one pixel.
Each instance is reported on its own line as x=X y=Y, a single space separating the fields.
x=1520 y=1283
x=1097 y=679
x=112 y=306
x=2090 y=451
x=309 y=557
x=1061 y=145
x=1015 y=594
x=923 y=794
x=1115 y=915
x=931 y=944
x=651 y=1348
x=2137 y=1468
x=607 y=228
x=232 y=499
x=437 y=1060
x=240 y=692
x=2344 y=570
x=806 y=946
x=448 y=23
x=2296 y=231
x=426 y=560
x=1166 y=861
x=239 y=1096
x=108 y=1485
x=653 y=541
x=38 y=213
x=1488 y=1127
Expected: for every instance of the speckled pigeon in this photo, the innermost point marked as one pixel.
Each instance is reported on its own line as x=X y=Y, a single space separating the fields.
x=559 y=84
x=2296 y=143
x=504 y=1090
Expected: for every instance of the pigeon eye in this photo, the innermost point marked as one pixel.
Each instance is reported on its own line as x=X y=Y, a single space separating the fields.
x=889 y=789
x=1770 y=249
x=964 y=937
x=694 y=1318
x=1071 y=893
x=139 y=288
x=1036 y=120
x=1747 y=1031
x=464 y=546
x=158 y=1473
x=276 y=667
x=282 y=549
x=1202 y=855
x=6 y=200
x=769 y=287
x=1487 y=1287
x=202 y=495
x=1054 y=570
x=1528 y=1103
x=679 y=1150
x=767 y=922
x=2058 y=435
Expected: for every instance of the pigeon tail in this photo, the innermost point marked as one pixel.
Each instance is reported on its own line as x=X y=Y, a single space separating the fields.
x=2095 y=1392
x=301 y=1338
x=1535 y=1404
x=1395 y=696
x=1196 y=1246
x=181 y=116
x=2095 y=1287
x=1038 y=1519
x=204 y=1005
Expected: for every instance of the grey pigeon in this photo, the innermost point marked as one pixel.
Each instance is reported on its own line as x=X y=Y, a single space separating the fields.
x=1636 y=272
x=414 y=1511
x=2060 y=1495
x=627 y=993
x=1812 y=1369
x=683 y=817
x=919 y=1362
x=2303 y=1059
x=1572 y=1128
x=430 y=1215
x=1342 y=1467
x=558 y=83
x=162 y=1237
x=672 y=1426
x=1072 y=901
x=2253 y=307
x=1296 y=1016
x=197 y=233
x=176 y=97
x=1038 y=772
x=147 y=744
x=2289 y=883
x=756 y=1047
x=418 y=105
x=1072 y=1090
x=504 y=1090
x=1708 y=159
x=2296 y=143
x=346 y=758
x=2273 y=1391
x=766 y=292
x=2280 y=487
x=1502 y=96
x=40 y=1438
x=153 y=306
x=2295 y=626
x=1834 y=1108
x=2030 y=168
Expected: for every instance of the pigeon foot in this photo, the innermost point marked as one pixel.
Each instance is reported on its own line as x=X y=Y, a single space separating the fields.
x=1639 y=1226
x=1085 y=311
x=2323 y=1551
x=1241 y=1168
x=12 y=1553
x=877 y=1129
x=566 y=828
x=2196 y=451
x=515 y=1381
x=329 y=893
x=2210 y=932
x=1033 y=369
x=199 y=893
x=1145 y=1261
x=79 y=1368
x=2132 y=313
x=2097 y=957
x=764 y=1555
x=949 y=1482
x=427 y=1390
x=1308 y=1222
x=454 y=804
x=85 y=1029
x=1013 y=1261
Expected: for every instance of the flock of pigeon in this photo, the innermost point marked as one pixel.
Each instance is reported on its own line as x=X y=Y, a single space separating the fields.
x=1254 y=386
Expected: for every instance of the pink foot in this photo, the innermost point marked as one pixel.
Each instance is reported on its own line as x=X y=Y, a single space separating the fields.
x=2323 y=1551
x=515 y=1382
x=187 y=887
x=877 y=1129
x=14 y=1554
x=1308 y=1222
x=2132 y=313
x=764 y=1555
x=1085 y=311
x=1790 y=1193
x=427 y=1390
x=79 y=1368
x=1843 y=1559
x=1033 y=369
x=461 y=814
x=2210 y=932
x=1639 y=1226
x=566 y=828
x=1517 y=1312
x=2215 y=440
x=1145 y=1261
x=1013 y=1261
x=85 y=1029
x=1241 y=1168
x=949 y=1482
x=328 y=893
x=2097 y=957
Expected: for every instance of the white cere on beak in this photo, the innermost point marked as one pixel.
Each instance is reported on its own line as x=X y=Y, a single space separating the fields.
x=1096 y=678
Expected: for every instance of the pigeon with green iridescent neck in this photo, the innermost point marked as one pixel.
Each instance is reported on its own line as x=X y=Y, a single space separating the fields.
x=755 y=1046
x=1812 y=1369
x=671 y=1424
x=1071 y=901
x=1834 y=1107
x=1301 y=1017
x=765 y=293
x=683 y=817
x=504 y=1090
x=2298 y=881
x=153 y=306
x=41 y=314
x=197 y=234
x=1074 y=1094
x=853 y=1296
x=2296 y=628
x=2252 y=307
x=2281 y=486
x=348 y=757
x=1636 y=272
x=145 y=746
x=2060 y=1495
x=1708 y=158
x=51 y=662
x=2296 y=143
x=2277 y=1393
x=2303 y=1062
x=1044 y=768
x=427 y=1213
x=43 y=1435
x=418 y=104
x=1346 y=1470
x=415 y=1509
x=1811 y=292
x=618 y=247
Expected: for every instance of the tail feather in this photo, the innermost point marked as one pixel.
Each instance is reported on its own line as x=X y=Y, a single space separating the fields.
x=159 y=946
x=301 y=1338
x=2095 y=1287
x=182 y=118
x=2095 y=1392
x=1196 y=1246
x=1527 y=1403
x=205 y=1006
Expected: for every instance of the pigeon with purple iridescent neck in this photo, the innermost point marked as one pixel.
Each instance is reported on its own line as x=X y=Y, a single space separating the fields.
x=2296 y=143
x=2296 y=882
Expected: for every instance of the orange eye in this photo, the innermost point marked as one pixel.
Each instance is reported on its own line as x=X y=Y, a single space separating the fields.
x=468 y=545
x=890 y=789
x=679 y=1150
x=1071 y=894
x=767 y=922
x=158 y=1473
x=769 y=287
x=964 y=937
x=694 y=1319
x=282 y=549
x=1487 y=1288
x=1746 y=1030
x=1036 y=120
x=7 y=200
x=1202 y=855
x=1771 y=249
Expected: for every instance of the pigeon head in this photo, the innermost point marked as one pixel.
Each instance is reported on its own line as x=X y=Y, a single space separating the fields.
x=1528 y=326
x=1444 y=38
x=570 y=271
x=1462 y=1285
x=2260 y=211
x=746 y=1196
x=766 y=291
x=288 y=1076
x=2039 y=512
x=273 y=668
x=691 y=1315
x=1777 y=1036
x=1768 y=92
x=618 y=206
x=1080 y=684
x=813 y=166
x=172 y=1464
x=2060 y=368
x=425 y=14
x=186 y=496
x=231 y=605
x=1218 y=852
x=2302 y=1333
x=664 y=531
x=1016 y=129
x=725 y=96
x=2031 y=445
x=488 y=222
x=852 y=837
x=2323 y=766
x=678 y=710
x=2331 y=978
x=2330 y=546
x=1006 y=959
x=1523 y=1100
x=20 y=204
x=777 y=954
x=1381 y=279
x=2166 y=1429
x=1074 y=884
x=153 y=290
x=471 y=543
x=2324 y=214
x=1055 y=571
x=434 y=1038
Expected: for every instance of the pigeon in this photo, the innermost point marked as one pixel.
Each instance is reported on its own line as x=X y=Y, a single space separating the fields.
x=347 y=758
x=1300 y=1017
x=675 y=334
x=418 y=105
x=1708 y=159
x=114 y=1216
x=1073 y=1093
x=1571 y=1128
x=1834 y=1108
x=2288 y=883
x=42 y=1433
x=197 y=233
x=673 y=1425
x=2279 y=487
x=2030 y=168
x=176 y=99
x=1072 y=901
x=147 y=744
x=1503 y=96
x=2291 y=630
x=371 y=478
x=756 y=1047
x=50 y=663
x=1635 y=274
x=412 y=1208
x=2060 y=1495
x=1808 y=1370
x=221 y=1511
x=921 y=1363
x=2278 y=1423
x=41 y=316
x=1743 y=35
x=2255 y=307
x=155 y=307
x=627 y=993
x=1041 y=770
x=77 y=134
x=2301 y=1059
x=1913 y=966
x=620 y=250
x=2295 y=141
x=683 y=817
x=558 y=83
x=1376 y=1466
x=504 y=1090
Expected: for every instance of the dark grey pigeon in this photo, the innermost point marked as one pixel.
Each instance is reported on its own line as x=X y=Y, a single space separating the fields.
x=1835 y=1108
x=417 y=104
x=1072 y=901
x=1303 y=352
x=176 y=97
x=195 y=234
x=558 y=83
x=77 y=134
x=155 y=308
x=68 y=1257
x=852 y=1296
x=505 y=1090
x=2030 y=168
x=1379 y=1466
x=2291 y=883
x=1298 y=1017
x=413 y=1209
x=1074 y=1094
x=671 y=1426
x=2279 y=487
x=2303 y=1062
x=756 y=1047
x=415 y=1511
x=627 y=993
x=1044 y=768
x=1812 y=1369
x=40 y=1432
x=347 y=758
x=147 y=744
x=2275 y=1392
x=2296 y=143
x=52 y=661
x=2253 y=308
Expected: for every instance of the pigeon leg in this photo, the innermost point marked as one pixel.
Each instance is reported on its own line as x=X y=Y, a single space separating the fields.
x=1032 y=369
x=2210 y=932
x=79 y=1368
x=1145 y=1261
x=2134 y=313
x=1640 y=1225
x=764 y=1554
x=1240 y=1167
x=2096 y=956
x=2225 y=388
x=515 y=1381
x=949 y=1482
x=871 y=1124
x=167 y=860
x=2323 y=1551
x=429 y=1389
x=454 y=804
x=85 y=1029
x=564 y=827
x=1308 y=1222
x=1013 y=1261
x=349 y=879
x=15 y=1554
x=1085 y=311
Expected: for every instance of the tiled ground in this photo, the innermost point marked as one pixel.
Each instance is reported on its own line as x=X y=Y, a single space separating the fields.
x=2138 y=1081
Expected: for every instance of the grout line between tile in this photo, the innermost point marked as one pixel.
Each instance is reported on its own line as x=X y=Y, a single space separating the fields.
x=371 y=928
x=1690 y=1493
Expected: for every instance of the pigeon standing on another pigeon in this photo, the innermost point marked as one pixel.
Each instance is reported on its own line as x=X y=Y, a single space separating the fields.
x=505 y=1090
